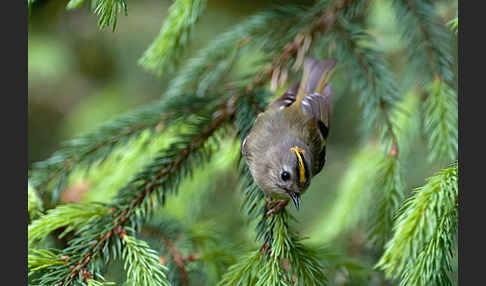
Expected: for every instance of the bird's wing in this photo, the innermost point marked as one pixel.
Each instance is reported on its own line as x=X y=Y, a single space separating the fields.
x=286 y=99
x=318 y=106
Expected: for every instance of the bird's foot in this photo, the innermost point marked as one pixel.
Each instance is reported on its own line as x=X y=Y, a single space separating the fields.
x=278 y=206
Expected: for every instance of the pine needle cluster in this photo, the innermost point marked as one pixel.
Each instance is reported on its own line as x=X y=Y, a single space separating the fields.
x=421 y=250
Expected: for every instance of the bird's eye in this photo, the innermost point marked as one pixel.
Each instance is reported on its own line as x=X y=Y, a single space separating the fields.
x=285 y=175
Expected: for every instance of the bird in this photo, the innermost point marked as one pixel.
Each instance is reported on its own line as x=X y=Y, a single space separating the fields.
x=286 y=145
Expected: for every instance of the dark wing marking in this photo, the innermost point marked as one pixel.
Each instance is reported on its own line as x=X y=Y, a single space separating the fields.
x=319 y=107
x=322 y=160
x=286 y=99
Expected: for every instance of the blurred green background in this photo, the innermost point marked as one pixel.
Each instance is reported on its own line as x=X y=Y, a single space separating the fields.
x=80 y=76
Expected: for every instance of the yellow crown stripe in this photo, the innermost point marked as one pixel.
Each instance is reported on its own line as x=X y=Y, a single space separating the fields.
x=297 y=151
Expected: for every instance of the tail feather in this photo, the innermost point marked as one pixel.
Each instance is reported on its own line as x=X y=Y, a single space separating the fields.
x=314 y=76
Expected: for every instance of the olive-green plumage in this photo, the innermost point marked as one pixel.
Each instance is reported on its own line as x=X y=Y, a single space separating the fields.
x=286 y=146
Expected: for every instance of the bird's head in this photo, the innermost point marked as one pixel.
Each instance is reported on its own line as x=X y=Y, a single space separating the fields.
x=287 y=172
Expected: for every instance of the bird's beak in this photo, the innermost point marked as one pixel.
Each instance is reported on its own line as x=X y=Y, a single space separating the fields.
x=295 y=199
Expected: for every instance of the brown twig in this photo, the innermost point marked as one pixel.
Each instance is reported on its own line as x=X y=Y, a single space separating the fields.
x=226 y=111
x=299 y=45
x=382 y=104
x=177 y=257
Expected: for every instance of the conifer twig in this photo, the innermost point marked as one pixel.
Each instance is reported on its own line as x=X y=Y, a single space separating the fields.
x=176 y=30
x=300 y=44
x=130 y=202
x=96 y=146
x=179 y=260
x=420 y=251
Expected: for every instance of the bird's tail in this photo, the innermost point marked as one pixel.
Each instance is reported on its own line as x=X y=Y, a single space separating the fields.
x=315 y=76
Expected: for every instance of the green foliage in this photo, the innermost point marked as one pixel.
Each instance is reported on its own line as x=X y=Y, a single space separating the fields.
x=34 y=203
x=92 y=282
x=134 y=202
x=142 y=263
x=440 y=119
x=372 y=79
x=108 y=10
x=216 y=255
x=454 y=24
x=102 y=184
x=214 y=63
x=96 y=146
x=176 y=31
x=354 y=197
x=420 y=251
x=42 y=258
x=372 y=187
x=71 y=216
x=283 y=260
x=407 y=119
x=164 y=174
x=420 y=23
x=190 y=249
x=389 y=191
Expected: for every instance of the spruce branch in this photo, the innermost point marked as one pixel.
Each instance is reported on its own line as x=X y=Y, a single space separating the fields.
x=142 y=263
x=244 y=272
x=282 y=261
x=166 y=170
x=420 y=251
x=373 y=178
x=389 y=189
x=108 y=10
x=168 y=232
x=429 y=41
x=372 y=78
x=216 y=61
x=70 y=216
x=440 y=120
x=189 y=248
x=389 y=193
x=430 y=54
x=318 y=19
x=378 y=99
x=179 y=261
x=39 y=259
x=283 y=46
x=94 y=147
x=176 y=31
x=101 y=237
